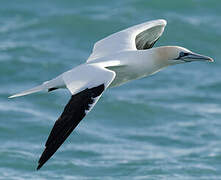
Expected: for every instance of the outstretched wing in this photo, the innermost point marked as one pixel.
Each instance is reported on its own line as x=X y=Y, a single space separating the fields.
x=78 y=106
x=139 y=37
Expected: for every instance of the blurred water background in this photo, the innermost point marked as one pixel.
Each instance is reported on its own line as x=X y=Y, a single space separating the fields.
x=167 y=126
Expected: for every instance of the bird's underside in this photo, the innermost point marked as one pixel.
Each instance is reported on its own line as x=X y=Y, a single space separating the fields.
x=87 y=82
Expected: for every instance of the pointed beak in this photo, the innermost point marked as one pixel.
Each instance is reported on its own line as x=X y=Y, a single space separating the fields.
x=196 y=57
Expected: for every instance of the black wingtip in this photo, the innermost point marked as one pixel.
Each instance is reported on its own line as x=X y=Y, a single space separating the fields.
x=73 y=113
x=39 y=166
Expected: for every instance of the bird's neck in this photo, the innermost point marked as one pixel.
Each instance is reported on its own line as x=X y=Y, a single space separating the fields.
x=146 y=62
x=156 y=57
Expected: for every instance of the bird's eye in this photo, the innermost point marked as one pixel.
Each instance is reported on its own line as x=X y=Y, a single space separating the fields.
x=182 y=54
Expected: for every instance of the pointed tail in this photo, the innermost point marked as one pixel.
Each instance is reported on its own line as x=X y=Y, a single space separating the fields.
x=30 y=91
x=51 y=85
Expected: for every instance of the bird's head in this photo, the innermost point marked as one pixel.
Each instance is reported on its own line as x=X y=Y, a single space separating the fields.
x=170 y=55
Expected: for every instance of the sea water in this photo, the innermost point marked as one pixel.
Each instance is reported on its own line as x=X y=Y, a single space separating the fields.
x=167 y=126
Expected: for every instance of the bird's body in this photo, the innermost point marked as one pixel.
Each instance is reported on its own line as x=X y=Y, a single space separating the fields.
x=124 y=56
x=133 y=65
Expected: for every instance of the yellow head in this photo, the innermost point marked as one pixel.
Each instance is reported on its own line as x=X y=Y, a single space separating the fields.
x=170 y=55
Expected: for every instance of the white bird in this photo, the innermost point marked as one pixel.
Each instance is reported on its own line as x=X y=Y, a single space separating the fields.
x=121 y=57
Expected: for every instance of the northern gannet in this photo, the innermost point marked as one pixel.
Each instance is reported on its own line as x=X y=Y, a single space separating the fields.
x=121 y=57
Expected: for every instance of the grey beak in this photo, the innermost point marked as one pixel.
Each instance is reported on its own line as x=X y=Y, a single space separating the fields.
x=196 y=57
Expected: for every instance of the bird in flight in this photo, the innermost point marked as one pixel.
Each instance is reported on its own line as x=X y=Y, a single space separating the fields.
x=121 y=57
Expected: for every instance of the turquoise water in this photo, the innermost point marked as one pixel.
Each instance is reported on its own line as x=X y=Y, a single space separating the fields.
x=167 y=126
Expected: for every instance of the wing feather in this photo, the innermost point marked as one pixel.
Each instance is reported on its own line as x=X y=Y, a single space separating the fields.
x=86 y=83
x=73 y=113
x=139 y=37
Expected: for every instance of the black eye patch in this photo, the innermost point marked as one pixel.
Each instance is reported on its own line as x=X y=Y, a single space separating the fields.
x=183 y=54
